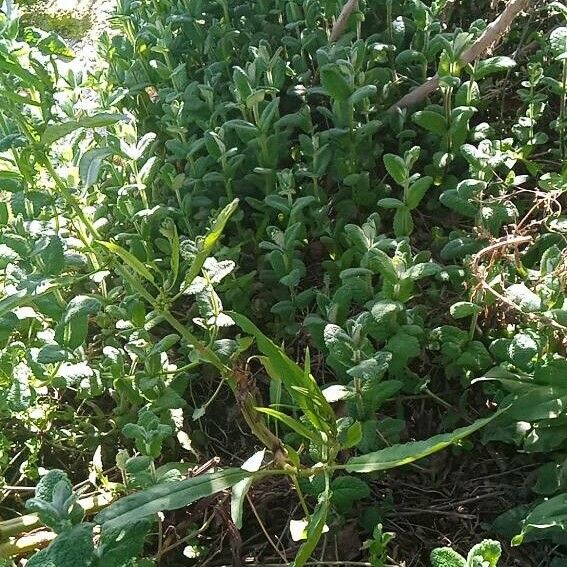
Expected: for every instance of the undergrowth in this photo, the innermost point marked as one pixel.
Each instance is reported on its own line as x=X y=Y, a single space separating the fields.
x=238 y=275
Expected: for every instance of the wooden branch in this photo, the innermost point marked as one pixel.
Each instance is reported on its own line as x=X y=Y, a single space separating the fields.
x=491 y=35
x=25 y=544
x=503 y=242
x=10 y=529
x=342 y=20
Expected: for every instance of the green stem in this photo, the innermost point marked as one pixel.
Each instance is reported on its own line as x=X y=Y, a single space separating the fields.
x=562 y=110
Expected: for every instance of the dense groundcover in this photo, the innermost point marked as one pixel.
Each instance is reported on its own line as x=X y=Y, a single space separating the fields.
x=243 y=278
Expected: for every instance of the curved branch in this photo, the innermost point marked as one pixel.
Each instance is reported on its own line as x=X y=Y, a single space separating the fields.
x=342 y=20
x=491 y=35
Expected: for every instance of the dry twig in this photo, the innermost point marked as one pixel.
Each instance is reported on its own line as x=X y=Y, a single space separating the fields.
x=342 y=20
x=491 y=35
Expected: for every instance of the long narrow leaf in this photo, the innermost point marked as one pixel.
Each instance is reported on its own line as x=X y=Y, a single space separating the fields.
x=550 y=513
x=314 y=530
x=54 y=132
x=279 y=365
x=402 y=454
x=239 y=492
x=168 y=496
x=12 y=301
x=293 y=424
x=129 y=259
x=209 y=243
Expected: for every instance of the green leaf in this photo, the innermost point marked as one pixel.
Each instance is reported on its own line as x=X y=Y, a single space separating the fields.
x=12 y=301
x=165 y=344
x=293 y=424
x=390 y=203
x=71 y=548
x=129 y=259
x=73 y=326
x=493 y=65
x=301 y=386
x=447 y=557
x=52 y=256
x=243 y=126
x=560 y=7
x=242 y=83
x=403 y=346
x=12 y=141
x=524 y=297
x=380 y=263
x=209 y=242
x=396 y=167
x=50 y=354
x=118 y=545
x=90 y=164
x=361 y=93
x=403 y=222
x=80 y=305
x=422 y=270
x=239 y=491
x=417 y=191
x=7 y=256
x=385 y=311
x=463 y=309
x=485 y=554
x=168 y=496
x=20 y=395
x=48 y=43
x=399 y=455
x=54 y=132
x=334 y=82
x=550 y=513
x=314 y=530
x=137 y=464
x=522 y=350
x=464 y=199
x=431 y=121
x=371 y=368
x=351 y=436
x=346 y=491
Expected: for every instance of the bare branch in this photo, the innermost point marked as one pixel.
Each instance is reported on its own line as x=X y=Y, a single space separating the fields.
x=491 y=35
x=342 y=20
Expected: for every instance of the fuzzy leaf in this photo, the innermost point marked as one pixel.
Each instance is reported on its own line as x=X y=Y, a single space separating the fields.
x=463 y=309
x=90 y=164
x=447 y=557
x=396 y=167
x=334 y=82
x=431 y=121
x=417 y=191
x=485 y=554
x=55 y=131
x=346 y=491
x=493 y=65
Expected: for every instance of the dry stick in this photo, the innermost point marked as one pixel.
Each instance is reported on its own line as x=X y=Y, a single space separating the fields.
x=503 y=242
x=23 y=545
x=263 y=528
x=342 y=20
x=491 y=35
x=11 y=528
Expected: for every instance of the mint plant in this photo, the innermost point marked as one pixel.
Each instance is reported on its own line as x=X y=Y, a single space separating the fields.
x=486 y=553
x=231 y=238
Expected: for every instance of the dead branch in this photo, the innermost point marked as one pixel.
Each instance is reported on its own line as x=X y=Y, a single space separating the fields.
x=10 y=529
x=500 y=243
x=491 y=35
x=342 y=20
